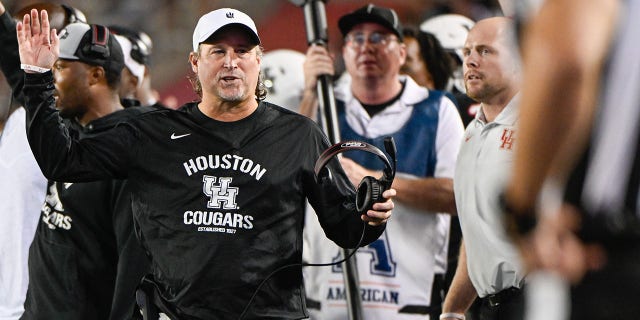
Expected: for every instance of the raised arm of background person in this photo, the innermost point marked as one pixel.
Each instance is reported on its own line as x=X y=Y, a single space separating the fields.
x=60 y=157
x=461 y=293
x=563 y=53
x=9 y=58
x=317 y=62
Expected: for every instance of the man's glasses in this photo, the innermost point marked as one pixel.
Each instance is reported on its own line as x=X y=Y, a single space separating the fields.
x=375 y=39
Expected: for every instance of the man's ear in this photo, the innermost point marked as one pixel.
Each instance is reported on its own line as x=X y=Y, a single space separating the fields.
x=403 y=53
x=97 y=74
x=133 y=80
x=193 y=60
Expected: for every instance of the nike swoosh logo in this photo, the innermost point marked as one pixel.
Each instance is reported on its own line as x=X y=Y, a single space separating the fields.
x=174 y=136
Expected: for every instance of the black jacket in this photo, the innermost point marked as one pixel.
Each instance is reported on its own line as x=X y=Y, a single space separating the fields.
x=219 y=205
x=84 y=262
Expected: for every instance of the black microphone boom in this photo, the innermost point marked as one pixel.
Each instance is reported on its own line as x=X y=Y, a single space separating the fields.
x=315 y=21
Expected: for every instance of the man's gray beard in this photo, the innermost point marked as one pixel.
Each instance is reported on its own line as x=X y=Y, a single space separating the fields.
x=239 y=96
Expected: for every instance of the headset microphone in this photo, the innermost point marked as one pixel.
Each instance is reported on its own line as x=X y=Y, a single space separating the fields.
x=370 y=189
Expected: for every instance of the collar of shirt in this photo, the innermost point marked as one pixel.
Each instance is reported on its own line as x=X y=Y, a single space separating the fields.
x=387 y=121
x=412 y=94
x=508 y=116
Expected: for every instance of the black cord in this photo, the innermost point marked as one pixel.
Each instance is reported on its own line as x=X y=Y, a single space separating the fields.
x=246 y=308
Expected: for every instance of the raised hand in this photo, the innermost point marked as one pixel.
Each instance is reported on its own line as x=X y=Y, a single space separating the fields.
x=38 y=45
x=318 y=62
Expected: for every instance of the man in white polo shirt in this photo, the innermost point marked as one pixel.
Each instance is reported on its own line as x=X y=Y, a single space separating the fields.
x=489 y=263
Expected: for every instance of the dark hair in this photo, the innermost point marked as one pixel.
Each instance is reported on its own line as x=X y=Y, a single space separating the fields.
x=436 y=58
x=261 y=89
x=113 y=79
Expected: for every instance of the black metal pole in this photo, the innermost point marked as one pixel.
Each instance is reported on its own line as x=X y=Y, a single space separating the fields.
x=316 y=28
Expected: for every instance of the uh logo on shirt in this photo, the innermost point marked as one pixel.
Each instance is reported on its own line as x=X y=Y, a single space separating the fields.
x=222 y=197
x=221 y=214
x=53 y=210
x=508 y=138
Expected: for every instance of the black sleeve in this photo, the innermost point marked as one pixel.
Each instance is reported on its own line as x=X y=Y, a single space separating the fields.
x=133 y=262
x=10 y=57
x=333 y=199
x=63 y=158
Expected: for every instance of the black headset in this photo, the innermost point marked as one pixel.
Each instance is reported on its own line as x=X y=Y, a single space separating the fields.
x=369 y=189
x=369 y=192
x=139 y=51
x=98 y=48
x=141 y=43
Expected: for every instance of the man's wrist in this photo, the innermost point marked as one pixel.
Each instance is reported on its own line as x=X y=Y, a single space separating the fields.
x=310 y=92
x=452 y=315
x=519 y=221
x=33 y=69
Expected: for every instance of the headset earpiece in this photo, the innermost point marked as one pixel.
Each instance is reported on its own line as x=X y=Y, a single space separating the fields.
x=138 y=51
x=324 y=175
x=369 y=192
x=370 y=189
x=141 y=44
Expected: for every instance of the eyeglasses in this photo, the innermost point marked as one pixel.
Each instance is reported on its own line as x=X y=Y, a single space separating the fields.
x=376 y=39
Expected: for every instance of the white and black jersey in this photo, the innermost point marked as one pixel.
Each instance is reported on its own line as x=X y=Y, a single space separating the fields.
x=218 y=205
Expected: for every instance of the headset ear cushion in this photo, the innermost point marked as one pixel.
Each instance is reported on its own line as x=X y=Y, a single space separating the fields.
x=369 y=192
x=324 y=175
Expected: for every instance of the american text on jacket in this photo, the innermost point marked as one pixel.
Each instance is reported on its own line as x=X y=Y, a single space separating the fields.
x=367 y=294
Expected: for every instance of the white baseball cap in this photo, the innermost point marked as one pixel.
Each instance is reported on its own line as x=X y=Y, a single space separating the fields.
x=136 y=68
x=214 y=20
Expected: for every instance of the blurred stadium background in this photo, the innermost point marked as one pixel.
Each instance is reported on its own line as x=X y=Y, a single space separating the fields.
x=280 y=23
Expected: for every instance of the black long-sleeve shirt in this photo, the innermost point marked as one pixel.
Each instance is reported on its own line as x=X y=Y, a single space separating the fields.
x=219 y=205
x=84 y=261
